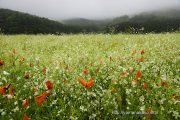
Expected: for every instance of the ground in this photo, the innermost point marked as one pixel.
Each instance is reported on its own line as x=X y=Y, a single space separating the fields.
x=90 y=76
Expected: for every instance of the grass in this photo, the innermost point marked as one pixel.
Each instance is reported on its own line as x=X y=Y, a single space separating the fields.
x=112 y=60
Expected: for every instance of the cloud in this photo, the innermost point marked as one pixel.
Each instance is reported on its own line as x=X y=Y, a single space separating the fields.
x=63 y=9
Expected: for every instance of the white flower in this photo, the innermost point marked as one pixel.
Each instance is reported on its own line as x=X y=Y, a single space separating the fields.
x=3 y=113
x=128 y=91
x=9 y=96
x=15 y=103
x=15 y=109
x=142 y=108
x=6 y=73
x=141 y=99
x=176 y=114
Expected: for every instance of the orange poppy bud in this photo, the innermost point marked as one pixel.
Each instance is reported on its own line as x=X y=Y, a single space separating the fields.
x=49 y=84
x=44 y=70
x=138 y=75
x=145 y=85
x=11 y=91
x=3 y=89
x=86 y=70
x=25 y=102
x=142 y=52
x=41 y=98
x=25 y=117
x=2 y=62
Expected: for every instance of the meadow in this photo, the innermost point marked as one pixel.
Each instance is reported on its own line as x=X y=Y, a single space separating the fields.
x=90 y=76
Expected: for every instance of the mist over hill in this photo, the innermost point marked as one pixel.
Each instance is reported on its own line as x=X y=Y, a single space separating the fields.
x=14 y=22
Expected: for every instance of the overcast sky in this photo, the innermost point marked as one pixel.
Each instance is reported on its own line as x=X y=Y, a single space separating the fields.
x=91 y=9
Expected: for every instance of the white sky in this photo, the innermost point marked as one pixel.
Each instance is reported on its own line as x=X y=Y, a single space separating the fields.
x=91 y=9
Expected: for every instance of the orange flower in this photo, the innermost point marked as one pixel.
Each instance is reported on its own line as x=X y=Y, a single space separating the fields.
x=138 y=75
x=142 y=52
x=86 y=70
x=145 y=85
x=86 y=84
x=3 y=89
x=44 y=70
x=11 y=90
x=25 y=102
x=163 y=83
x=141 y=59
x=41 y=98
x=14 y=51
x=125 y=73
x=49 y=84
x=175 y=97
x=1 y=62
x=25 y=117
x=67 y=67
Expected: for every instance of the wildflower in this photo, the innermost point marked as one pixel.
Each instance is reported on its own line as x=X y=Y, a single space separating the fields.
x=35 y=88
x=14 y=51
x=141 y=59
x=134 y=82
x=25 y=102
x=44 y=70
x=67 y=67
x=85 y=70
x=21 y=61
x=86 y=84
x=27 y=75
x=49 y=84
x=25 y=117
x=11 y=91
x=41 y=98
x=142 y=52
x=6 y=73
x=141 y=98
x=125 y=73
x=163 y=83
x=175 y=97
x=3 y=89
x=2 y=62
x=145 y=85
x=138 y=75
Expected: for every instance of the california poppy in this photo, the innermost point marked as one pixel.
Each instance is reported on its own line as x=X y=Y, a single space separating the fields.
x=41 y=98
x=44 y=70
x=2 y=62
x=138 y=75
x=145 y=85
x=11 y=91
x=3 y=89
x=25 y=102
x=142 y=52
x=87 y=84
x=85 y=70
x=49 y=84
x=25 y=117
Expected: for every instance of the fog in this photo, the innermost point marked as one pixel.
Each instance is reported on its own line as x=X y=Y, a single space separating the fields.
x=90 y=9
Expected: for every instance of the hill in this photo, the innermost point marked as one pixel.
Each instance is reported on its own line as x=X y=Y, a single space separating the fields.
x=14 y=22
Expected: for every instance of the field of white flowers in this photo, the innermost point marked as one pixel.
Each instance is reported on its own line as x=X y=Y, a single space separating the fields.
x=101 y=76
